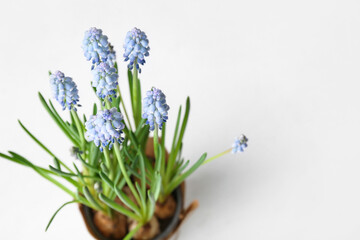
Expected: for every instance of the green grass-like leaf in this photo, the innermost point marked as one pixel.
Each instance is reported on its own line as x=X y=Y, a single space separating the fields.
x=53 y=216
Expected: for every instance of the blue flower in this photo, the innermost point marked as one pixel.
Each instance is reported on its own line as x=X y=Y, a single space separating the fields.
x=155 y=109
x=105 y=80
x=136 y=48
x=97 y=48
x=105 y=128
x=240 y=144
x=64 y=90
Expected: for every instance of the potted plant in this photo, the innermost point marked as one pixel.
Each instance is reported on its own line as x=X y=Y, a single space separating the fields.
x=127 y=183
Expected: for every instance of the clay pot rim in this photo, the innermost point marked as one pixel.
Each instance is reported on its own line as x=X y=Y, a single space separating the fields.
x=88 y=217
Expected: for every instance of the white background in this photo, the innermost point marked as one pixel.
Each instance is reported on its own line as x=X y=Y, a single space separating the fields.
x=285 y=73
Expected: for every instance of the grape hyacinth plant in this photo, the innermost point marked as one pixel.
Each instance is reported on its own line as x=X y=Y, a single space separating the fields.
x=112 y=172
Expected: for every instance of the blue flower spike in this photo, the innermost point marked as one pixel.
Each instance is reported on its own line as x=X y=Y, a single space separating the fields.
x=136 y=48
x=240 y=144
x=105 y=81
x=64 y=90
x=97 y=48
x=105 y=128
x=155 y=109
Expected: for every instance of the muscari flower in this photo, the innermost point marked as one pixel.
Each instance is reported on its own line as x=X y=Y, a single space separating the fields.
x=155 y=109
x=240 y=144
x=64 y=90
x=105 y=80
x=136 y=48
x=105 y=128
x=97 y=48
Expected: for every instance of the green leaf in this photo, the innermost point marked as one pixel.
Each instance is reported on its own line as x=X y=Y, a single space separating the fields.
x=132 y=232
x=156 y=186
x=53 y=216
x=176 y=129
x=57 y=163
x=179 y=179
x=182 y=168
x=106 y=179
x=91 y=199
x=179 y=141
x=143 y=174
x=73 y=133
x=42 y=145
x=80 y=176
x=58 y=121
x=150 y=206
x=61 y=173
x=93 y=168
x=35 y=139
x=41 y=172
x=127 y=201
x=118 y=207
x=104 y=168
x=94 y=154
x=142 y=197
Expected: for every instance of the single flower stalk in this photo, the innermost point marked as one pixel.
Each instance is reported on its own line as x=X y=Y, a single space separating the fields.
x=105 y=80
x=136 y=48
x=239 y=145
x=97 y=49
x=105 y=128
x=64 y=90
x=155 y=109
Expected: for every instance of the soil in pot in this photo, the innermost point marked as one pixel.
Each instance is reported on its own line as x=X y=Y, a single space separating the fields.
x=166 y=226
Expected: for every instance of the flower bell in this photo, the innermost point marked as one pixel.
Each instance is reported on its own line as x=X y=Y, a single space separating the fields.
x=136 y=48
x=155 y=109
x=105 y=128
x=64 y=90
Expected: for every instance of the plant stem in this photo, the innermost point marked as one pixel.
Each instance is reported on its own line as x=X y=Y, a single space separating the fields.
x=216 y=156
x=136 y=96
x=156 y=142
x=108 y=161
x=123 y=105
x=107 y=104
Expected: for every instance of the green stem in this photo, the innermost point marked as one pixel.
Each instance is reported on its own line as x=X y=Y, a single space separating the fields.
x=136 y=96
x=156 y=141
x=107 y=104
x=108 y=162
x=216 y=156
x=124 y=172
x=124 y=108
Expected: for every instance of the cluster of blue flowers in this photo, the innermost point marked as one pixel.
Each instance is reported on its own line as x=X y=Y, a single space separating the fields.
x=155 y=109
x=97 y=48
x=105 y=80
x=136 y=48
x=240 y=144
x=64 y=90
x=105 y=128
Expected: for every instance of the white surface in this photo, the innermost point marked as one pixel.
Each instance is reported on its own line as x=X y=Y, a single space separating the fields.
x=286 y=73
